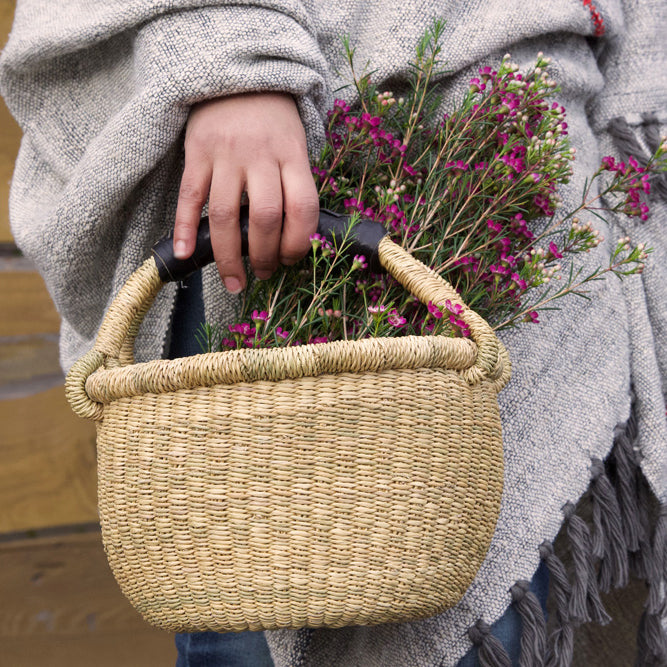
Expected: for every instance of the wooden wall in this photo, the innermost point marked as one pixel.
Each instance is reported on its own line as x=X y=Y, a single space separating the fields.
x=60 y=605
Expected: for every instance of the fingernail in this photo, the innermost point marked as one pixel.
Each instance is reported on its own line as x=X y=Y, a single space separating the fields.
x=233 y=285
x=180 y=249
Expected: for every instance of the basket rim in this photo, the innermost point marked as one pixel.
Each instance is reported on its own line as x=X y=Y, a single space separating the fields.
x=275 y=364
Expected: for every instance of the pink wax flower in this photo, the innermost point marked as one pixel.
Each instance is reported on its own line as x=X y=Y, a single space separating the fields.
x=395 y=319
x=434 y=310
x=553 y=251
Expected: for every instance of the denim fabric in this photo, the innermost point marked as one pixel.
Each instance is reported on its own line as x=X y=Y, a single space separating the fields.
x=231 y=649
x=250 y=649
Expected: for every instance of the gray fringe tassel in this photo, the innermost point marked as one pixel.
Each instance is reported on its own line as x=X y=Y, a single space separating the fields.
x=651 y=637
x=660 y=544
x=585 y=602
x=533 y=625
x=625 y=140
x=647 y=556
x=653 y=139
x=621 y=506
x=624 y=474
x=608 y=539
x=627 y=144
x=491 y=652
x=561 y=641
x=633 y=498
x=651 y=131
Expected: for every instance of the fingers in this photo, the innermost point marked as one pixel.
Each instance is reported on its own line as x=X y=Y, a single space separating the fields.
x=301 y=203
x=223 y=215
x=256 y=141
x=193 y=193
x=271 y=188
x=266 y=218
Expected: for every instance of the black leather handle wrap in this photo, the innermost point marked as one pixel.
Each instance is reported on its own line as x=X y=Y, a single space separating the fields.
x=364 y=239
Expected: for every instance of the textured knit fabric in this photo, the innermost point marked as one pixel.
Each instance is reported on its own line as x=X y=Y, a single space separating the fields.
x=102 y=92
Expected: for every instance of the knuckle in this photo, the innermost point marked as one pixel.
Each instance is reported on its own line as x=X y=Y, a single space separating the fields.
x=184 y=230
x=227 y=142
x=264 y=262
x=264 y=270
x=222 y=211
x=192 y=193
x=304 y=209
x=264 y=266
x=196 y=143
x=295 y=146
x=294 y=251
x=227 y=266
x=267 y=214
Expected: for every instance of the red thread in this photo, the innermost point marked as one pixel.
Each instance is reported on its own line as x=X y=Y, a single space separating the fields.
x=596 y=17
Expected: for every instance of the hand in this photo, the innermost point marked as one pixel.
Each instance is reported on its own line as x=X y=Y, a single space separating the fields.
x=253 y=142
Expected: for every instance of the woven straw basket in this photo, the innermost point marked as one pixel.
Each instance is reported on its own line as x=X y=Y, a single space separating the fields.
x=346 y=483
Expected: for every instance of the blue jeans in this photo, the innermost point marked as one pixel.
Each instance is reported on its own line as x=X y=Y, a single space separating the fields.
x=250 y=649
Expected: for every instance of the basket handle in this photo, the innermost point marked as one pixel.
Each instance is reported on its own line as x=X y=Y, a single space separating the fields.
x=363 y=239
x=115 y=339
x=492 y=359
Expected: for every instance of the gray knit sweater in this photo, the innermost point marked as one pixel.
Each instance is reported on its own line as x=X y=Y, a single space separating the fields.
x=102 y=92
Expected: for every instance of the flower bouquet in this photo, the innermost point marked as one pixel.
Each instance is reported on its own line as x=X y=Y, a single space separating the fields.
x=473 y=194
x=335 y=456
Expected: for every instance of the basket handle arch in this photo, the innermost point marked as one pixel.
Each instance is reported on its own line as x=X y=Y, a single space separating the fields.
x=115 y=339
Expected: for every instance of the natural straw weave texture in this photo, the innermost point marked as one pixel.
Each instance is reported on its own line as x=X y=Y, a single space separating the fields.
x=349 y=483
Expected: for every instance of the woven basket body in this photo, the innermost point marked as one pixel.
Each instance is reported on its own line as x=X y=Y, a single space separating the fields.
x=349 y=484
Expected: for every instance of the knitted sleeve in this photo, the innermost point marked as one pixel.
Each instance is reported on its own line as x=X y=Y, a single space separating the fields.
x=177 y=51
x=102 y=92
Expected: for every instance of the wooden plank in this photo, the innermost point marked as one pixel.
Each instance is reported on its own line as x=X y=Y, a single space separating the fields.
x=47 y=476
x=25 y=305
x=61 y=607
x=10 y=137
x=28 y=365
